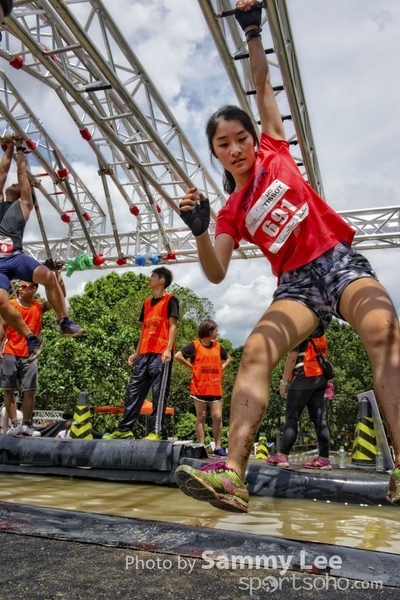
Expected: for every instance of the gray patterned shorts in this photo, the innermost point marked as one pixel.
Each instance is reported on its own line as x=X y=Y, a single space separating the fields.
x=16 y=370
x=319 y=284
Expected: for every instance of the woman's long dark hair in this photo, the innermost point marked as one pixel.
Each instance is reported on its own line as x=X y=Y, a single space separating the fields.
x=229 y=113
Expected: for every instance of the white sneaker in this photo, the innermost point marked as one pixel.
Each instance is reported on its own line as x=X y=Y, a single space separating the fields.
x=15 y=430
x=26 y=430
x=23 y=430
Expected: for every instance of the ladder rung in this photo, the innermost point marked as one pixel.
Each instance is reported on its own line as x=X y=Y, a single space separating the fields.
x=243 y=55
x=276 y=88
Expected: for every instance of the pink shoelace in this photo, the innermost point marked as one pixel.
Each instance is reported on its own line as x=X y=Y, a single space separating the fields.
x=216 y=466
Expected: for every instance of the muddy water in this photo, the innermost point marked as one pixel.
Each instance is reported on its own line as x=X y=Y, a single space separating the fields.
x=368 y=527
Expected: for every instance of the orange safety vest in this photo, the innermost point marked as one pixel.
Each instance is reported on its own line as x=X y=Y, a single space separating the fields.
x=155 y=326
x=207 y=370
x=310 y=363
x=15 y=343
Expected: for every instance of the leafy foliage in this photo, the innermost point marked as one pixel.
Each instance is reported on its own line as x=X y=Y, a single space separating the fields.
x=353 y=376
x=186 y=426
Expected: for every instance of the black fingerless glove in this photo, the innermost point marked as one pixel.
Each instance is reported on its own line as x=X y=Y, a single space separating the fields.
x=49 y=263
x=198 y=219
x=245 y=18
x=53 y=265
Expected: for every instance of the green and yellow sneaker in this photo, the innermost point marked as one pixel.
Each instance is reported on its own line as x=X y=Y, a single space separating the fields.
x=154 y=436
x=118 y=435
x=214 y=483
x=393 y=495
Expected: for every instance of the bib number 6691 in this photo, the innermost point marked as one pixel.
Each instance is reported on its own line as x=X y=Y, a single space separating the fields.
x=279 y=216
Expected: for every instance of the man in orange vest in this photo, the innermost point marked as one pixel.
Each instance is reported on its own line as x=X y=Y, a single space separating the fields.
x=207 y=360
x=15 y=368
x=152 y=360
x=303 y=383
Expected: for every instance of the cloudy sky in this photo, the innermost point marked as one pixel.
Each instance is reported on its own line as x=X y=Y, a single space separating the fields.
x=348 y=57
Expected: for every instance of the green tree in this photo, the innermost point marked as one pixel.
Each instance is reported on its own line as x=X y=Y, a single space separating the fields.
x=191 y=306
x=353 y=375
x=228 y=379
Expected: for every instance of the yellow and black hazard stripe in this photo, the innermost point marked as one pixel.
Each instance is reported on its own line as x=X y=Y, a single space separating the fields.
x=365 y=446
x=81 y=428
x=262 y=450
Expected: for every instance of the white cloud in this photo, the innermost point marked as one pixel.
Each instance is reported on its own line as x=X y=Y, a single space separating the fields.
x=347 y=52
x=241 y=305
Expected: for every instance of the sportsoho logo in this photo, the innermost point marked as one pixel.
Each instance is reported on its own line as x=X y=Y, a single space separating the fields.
x=282 y=564
x=271 y=584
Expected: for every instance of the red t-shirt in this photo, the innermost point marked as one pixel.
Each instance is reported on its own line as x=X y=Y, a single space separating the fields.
x=281 y=213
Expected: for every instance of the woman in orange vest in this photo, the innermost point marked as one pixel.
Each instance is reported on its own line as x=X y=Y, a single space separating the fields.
x=304 y=384
x=207 y=360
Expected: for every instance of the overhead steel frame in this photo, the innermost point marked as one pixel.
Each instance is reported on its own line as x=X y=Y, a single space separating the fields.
x=76 y=48
x=86 y=218
x=374 y=228
x=285 y=75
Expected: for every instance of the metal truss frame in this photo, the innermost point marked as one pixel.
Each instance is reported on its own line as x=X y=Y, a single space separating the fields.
x=76 y=48
x=285 y=75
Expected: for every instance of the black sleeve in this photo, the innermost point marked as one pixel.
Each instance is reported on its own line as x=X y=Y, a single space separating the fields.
x=141 y=318
x=224 y=354
x=302 y=347
x=173 y=307
x=7 y=6
x=189 y=351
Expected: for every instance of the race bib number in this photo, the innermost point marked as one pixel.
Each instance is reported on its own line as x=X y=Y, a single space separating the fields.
x=6 y=247
x=275 y=215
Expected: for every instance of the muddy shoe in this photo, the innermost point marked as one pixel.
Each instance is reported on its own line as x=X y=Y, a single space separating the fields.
x=214 y=483
x=393 y=495
x=318 y=463
x=69 y=329
x=119 y=435
x=35 y=346
x=276 y=460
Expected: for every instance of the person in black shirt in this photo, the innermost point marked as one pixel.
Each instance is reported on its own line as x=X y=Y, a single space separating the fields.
x=303 y=384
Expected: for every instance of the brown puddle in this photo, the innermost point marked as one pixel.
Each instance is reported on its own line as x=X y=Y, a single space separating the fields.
x=356 y=526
